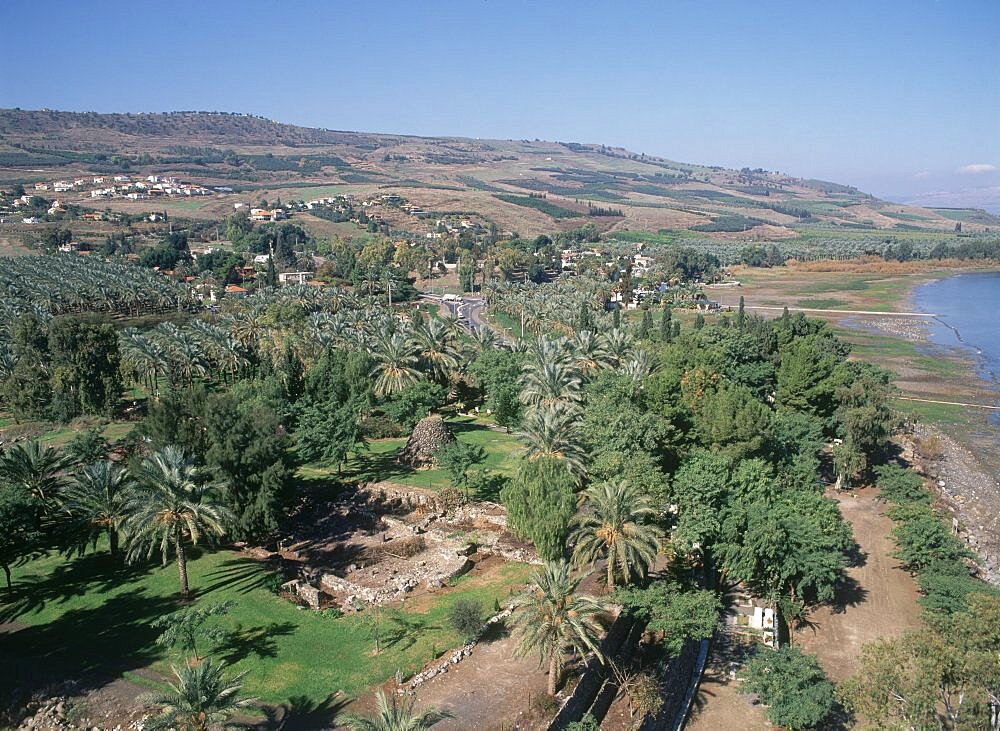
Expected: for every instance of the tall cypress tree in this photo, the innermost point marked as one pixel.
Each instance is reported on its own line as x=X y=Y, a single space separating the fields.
x=271 y=278
x=616 y=318
x=647 y=325
x=741 y=316
x=665 y=325
x=584 y=321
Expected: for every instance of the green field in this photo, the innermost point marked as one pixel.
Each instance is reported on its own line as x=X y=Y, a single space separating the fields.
x=830 y=303
x=86 y=620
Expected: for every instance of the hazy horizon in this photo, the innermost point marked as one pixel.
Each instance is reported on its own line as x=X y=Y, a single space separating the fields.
x=900 y=100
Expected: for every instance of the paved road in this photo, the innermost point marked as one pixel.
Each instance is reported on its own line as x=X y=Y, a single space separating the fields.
x=467 y=309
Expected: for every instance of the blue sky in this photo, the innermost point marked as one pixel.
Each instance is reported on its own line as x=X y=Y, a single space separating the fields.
x=895 y=96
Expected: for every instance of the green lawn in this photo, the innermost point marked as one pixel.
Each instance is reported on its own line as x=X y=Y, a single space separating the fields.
x=55 y=435
x=378 y=461
x=877 y=347
x=92 y=623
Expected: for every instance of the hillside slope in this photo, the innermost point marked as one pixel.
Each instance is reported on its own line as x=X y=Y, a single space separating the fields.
x=530 y=186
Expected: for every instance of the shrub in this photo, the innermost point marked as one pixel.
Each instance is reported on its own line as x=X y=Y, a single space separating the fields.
x=466 y=617
x=272 y=582
x=930 y=448
x=923 y=538
x=899 y=485
x=451 y=498
x=587 y=723
x=792 y=685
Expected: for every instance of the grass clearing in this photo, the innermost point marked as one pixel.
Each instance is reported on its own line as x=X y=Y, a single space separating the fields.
x=378 y=461
x=85 y=619
x=830 y=303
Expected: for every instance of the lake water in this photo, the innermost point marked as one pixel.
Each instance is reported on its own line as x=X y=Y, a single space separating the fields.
x=968 y=310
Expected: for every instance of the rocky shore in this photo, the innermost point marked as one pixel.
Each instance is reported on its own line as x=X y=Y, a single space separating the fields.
x=970 y=494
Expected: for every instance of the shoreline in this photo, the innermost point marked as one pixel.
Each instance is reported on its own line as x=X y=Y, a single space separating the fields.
x=963 y=474
x=944 y=379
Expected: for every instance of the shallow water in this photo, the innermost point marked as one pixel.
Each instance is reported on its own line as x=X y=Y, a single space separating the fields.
x=968 y=317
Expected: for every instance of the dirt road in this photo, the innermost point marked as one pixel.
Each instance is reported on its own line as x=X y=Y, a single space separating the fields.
x=879 y=600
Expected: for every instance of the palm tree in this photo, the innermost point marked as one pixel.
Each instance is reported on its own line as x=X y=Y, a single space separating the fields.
x=618 y=525
x=554 y=618
x=247 y=325
x=639 y=367
x=202 y=698
x=394 y=714
x=395 y=364
x=551 y=432
x=174 y=504
x=98 y=499
x=589 y=352
x=434 y=341
x=550 y=382
x=618 y=346
x=38 y=469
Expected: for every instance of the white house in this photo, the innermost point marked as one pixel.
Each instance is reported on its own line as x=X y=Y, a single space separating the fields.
x=289 y=278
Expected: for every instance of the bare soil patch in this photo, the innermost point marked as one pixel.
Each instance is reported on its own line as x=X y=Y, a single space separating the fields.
x=491 y=690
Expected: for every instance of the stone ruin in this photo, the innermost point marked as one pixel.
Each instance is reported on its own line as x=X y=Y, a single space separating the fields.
x=428 y=436
x=388 y=540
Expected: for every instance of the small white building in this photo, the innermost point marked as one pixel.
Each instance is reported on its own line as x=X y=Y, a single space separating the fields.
x=291 y=278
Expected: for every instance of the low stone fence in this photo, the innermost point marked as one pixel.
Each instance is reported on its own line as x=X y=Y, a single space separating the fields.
x=439 y=668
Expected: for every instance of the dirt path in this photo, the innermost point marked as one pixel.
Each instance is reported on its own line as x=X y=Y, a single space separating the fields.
x=879 y=600
x=490 y=691
x=718 y=705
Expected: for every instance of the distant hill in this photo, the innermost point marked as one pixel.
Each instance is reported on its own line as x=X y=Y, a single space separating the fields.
x=524 y=185
x=985 y=198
